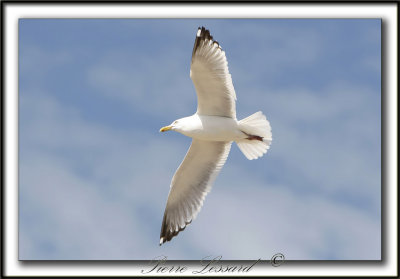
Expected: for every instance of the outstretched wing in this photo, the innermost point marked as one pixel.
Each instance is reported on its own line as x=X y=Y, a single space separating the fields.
x=191 y=183
x=210 y=75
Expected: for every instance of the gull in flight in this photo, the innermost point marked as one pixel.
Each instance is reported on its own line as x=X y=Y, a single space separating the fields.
x=212 y=128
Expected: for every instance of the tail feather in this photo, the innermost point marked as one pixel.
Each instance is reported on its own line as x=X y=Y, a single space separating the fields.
x=258 y=129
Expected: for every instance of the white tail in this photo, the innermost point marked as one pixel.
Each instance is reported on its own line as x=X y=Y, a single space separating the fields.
x=260 y=136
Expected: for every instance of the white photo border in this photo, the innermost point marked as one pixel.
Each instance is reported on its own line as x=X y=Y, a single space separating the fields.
x=387 y=11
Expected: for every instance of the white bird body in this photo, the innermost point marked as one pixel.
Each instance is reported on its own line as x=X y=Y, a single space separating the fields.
x=208 y=127
x=213 y=128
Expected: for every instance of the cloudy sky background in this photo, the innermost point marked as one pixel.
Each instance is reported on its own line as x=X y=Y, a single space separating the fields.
x=94 y=171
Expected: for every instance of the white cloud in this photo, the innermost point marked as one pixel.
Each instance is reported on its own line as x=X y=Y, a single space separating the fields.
x=113 y=208
x=160 y=80
x=246 y=218
x=88 y=187
x=332 y=137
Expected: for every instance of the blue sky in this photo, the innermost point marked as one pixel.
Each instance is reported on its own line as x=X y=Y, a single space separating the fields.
x=94 y=171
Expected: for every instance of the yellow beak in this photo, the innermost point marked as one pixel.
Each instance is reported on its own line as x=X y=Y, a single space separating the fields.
x=166 y=128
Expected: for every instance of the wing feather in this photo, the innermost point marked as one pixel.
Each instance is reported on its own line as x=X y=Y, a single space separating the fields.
x=211 y=78
x=191 y=183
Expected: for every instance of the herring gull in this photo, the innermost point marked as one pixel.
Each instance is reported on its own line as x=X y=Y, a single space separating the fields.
x=212 y=128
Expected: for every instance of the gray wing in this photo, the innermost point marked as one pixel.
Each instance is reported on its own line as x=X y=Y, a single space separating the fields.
x=191 y=183
x=210 y=75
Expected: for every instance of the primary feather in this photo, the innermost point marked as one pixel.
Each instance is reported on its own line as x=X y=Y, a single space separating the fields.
x=210 y=75
x=191 y=183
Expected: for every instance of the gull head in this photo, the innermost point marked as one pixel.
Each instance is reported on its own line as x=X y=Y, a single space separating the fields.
x=181 y=125
x=173 y=126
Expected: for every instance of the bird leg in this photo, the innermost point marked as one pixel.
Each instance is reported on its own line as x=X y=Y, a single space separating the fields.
x=253 y=137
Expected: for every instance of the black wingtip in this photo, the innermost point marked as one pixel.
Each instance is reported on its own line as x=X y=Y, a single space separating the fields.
x=202 y=34
x=166 y=234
